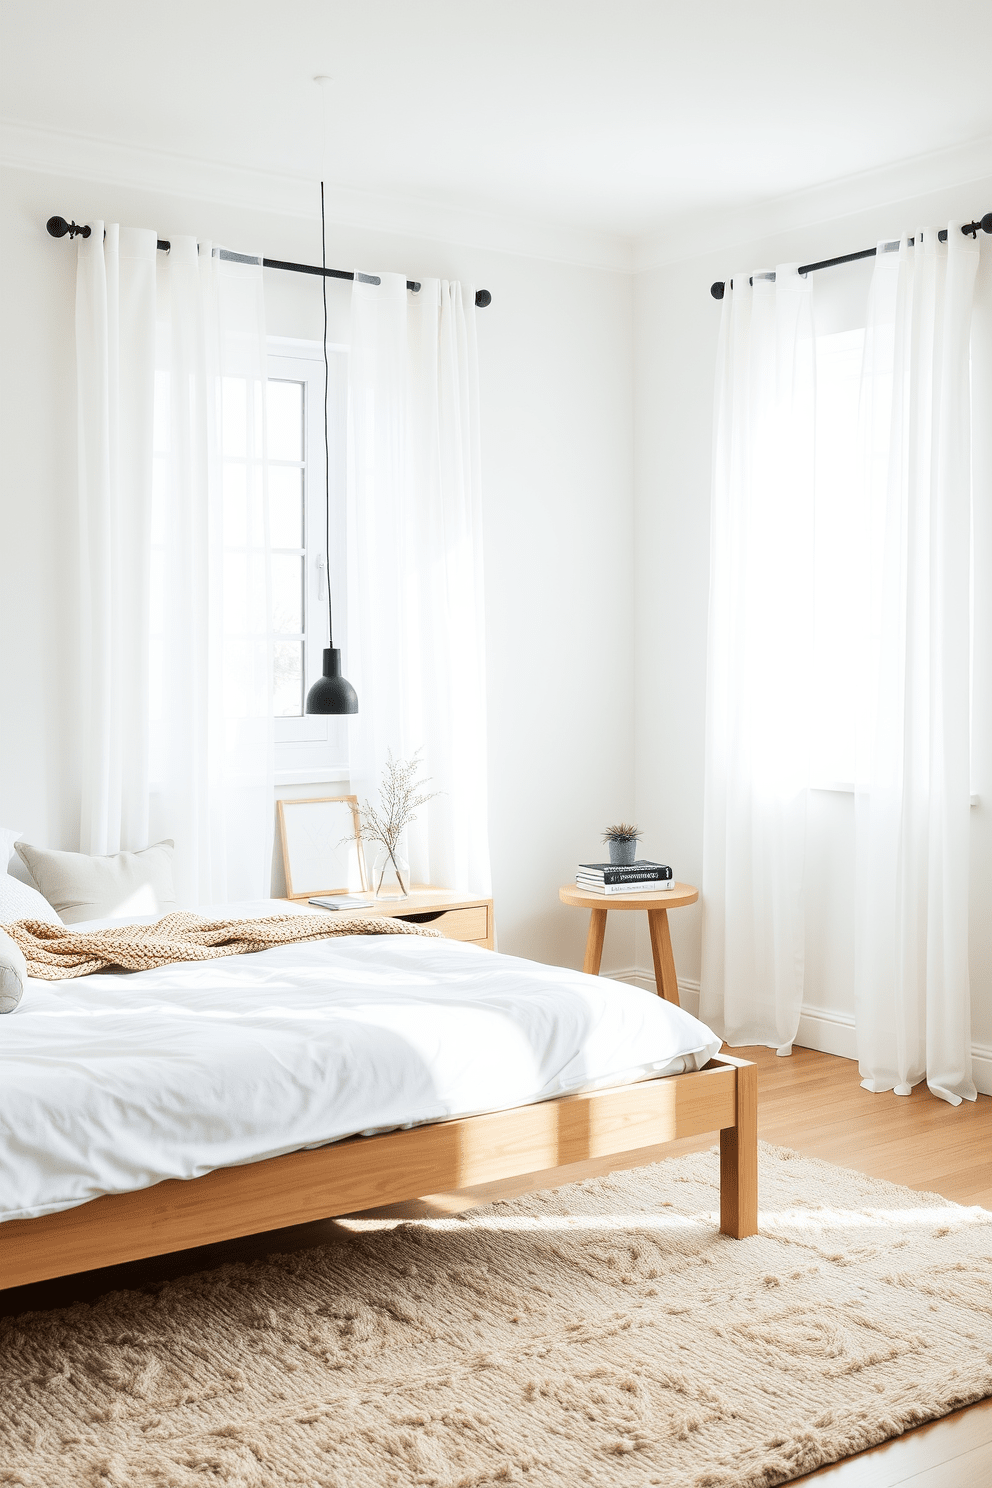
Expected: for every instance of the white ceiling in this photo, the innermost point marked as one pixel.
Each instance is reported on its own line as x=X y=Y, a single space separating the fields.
x=619 y=116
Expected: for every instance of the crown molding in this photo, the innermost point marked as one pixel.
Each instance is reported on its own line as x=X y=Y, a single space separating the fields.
x=113 y=162
x=922 y=175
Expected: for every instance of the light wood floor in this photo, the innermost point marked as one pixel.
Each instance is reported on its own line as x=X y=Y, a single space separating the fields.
x=811 y=1102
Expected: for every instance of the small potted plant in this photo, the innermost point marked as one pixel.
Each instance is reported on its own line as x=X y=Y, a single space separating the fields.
x=622 y=842
x=400 y=796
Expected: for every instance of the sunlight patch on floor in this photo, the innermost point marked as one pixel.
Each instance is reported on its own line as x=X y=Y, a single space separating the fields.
x=818 y=1220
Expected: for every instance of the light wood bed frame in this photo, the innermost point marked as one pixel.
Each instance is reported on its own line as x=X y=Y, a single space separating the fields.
x=366 y=1172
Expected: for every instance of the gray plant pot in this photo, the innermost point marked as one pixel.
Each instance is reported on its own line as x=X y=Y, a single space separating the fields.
x=623 y=852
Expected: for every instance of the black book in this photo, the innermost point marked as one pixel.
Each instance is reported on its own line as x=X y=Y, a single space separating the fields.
x=630 y=887
x=642 y=871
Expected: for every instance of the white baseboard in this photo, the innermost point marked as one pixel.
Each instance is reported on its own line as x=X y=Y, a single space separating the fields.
x=828 y=1031
x=633 y=975
x=819 y=1028
x=833 y=1033
x=981 y=1068
x=637 y=977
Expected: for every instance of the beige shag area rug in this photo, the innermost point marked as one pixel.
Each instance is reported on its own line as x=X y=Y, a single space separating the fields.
x=603 y=1334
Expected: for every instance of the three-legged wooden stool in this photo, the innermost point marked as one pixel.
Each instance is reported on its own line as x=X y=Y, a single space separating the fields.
x=657 y=907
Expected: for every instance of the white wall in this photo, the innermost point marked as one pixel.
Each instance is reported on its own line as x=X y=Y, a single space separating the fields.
x=595 y=706
x=676 y=324
x=555 y=352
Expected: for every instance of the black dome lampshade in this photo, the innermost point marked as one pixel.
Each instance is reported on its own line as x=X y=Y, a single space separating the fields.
x=332 y=693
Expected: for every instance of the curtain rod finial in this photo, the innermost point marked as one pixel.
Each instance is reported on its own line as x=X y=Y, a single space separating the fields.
x=58 y=227
x=716 y=290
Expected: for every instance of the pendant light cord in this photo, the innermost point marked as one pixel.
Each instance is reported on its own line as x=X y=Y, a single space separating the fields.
x=327 y=451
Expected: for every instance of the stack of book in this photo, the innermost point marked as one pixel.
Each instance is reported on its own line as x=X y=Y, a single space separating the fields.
x=642 y=877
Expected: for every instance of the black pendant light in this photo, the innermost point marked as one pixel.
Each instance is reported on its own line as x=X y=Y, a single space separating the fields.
x=331 y=693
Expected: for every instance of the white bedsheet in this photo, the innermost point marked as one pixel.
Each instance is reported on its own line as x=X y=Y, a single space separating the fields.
x=114 y=1082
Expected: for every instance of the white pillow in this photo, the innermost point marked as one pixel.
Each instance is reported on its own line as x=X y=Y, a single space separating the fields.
x=18 y=901
x=84 y=888
x=13 y=973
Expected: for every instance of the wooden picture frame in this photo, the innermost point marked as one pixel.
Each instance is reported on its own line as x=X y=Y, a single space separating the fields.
x=318 y=854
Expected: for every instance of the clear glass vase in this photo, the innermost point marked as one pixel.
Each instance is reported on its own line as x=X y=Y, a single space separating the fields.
x=390 y=874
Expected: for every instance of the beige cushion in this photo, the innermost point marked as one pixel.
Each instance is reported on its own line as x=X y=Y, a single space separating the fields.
x=13 y=973
x=84 y=888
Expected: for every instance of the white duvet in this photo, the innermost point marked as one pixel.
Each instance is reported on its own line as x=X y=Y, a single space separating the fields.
x=114 y=1082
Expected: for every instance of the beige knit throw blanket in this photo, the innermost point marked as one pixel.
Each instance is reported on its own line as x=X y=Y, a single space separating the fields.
x=54 y=952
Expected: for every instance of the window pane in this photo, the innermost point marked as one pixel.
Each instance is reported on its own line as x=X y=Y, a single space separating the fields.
x=235 y=505
x=244 y=675
x=236 y=598
x=287 y=679
x=286 y=506
x=287 y=594
x=235 y=416
x=285 y=420
x=243 y=605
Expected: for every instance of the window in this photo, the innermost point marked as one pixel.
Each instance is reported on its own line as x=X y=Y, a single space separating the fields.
x=307 y=748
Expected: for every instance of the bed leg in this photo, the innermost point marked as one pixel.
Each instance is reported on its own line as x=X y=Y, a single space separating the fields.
x=739 y=1160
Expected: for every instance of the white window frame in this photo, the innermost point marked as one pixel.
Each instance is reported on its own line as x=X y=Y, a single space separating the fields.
x=314 y=749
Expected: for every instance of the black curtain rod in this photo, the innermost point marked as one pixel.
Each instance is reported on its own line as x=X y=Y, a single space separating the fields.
x=970 y=228
x=58 y=227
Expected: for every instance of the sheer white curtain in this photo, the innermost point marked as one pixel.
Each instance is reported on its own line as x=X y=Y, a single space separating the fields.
x=759 y=662
x=913 y=757
x=115 y=359
x=415 y=639
x=175 y=735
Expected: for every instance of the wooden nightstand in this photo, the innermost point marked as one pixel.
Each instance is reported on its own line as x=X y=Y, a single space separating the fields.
x=458 y=916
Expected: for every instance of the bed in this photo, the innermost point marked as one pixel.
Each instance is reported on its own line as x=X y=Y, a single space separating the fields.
x=192 y=1103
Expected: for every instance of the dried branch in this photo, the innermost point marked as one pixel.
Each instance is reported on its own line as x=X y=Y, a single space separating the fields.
x=400 y=798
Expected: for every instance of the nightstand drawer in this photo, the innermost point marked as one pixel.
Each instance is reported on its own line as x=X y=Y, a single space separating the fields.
x=456 y=924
